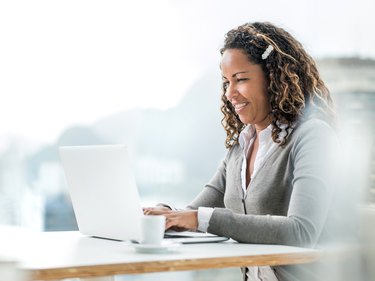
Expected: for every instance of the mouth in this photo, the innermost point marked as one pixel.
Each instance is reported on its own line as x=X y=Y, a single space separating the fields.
x=239 y=106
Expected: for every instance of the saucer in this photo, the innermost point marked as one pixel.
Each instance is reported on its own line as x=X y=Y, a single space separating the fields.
x=165 y=246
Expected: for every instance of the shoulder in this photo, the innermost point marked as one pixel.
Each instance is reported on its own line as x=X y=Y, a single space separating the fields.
x=315 y=124
x=314 y=134
x=314 y=128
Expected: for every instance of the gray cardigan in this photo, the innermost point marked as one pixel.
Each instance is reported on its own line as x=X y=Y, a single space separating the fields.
x=287 y=201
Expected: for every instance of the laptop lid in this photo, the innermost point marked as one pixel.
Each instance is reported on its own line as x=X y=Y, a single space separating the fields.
x=103 y=191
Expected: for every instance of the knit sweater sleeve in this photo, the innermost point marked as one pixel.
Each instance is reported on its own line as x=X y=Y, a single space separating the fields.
x=212 y=194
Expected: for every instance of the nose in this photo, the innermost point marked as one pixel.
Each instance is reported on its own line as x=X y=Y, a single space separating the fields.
x=230 y=92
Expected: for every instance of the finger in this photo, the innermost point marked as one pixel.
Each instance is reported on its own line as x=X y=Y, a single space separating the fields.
x=174 y=222
x=155 y=212
x=147 y=211
x=169 y=223
x=185 y=220
x=179 y=227
x=156 y=208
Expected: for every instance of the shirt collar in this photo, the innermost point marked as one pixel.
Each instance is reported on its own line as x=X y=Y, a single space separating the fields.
x=249 y=132
x=246 y=135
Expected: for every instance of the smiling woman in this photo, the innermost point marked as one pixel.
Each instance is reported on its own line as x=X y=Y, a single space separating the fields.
x=276 y=183
x=289 y=80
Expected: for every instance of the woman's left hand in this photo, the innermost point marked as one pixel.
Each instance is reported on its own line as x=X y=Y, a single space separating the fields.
x=177 y=220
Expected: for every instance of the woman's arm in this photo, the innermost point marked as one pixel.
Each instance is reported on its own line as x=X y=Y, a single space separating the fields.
x=211 y=196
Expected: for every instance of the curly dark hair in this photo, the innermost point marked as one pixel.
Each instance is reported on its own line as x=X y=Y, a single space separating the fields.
x=295 y=89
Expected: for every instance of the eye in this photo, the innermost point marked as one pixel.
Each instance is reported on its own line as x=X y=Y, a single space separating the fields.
x=242 y=79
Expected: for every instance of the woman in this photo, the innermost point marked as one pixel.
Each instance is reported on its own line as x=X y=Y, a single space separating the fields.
x=276 y=182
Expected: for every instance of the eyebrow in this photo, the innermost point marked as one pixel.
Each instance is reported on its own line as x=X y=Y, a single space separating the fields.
x=240 y=72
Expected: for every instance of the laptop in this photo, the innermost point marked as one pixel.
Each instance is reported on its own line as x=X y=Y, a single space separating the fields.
x=105 y=197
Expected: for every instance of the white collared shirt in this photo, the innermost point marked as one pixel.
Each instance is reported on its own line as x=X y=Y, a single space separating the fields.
x=266 y=147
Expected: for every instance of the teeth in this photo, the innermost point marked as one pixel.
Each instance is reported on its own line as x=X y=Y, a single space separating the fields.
x=240 y=105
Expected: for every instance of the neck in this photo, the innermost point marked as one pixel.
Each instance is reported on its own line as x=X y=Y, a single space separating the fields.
x=263 y=124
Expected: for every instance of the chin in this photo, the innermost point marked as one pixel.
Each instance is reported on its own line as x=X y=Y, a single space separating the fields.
x=245 y=121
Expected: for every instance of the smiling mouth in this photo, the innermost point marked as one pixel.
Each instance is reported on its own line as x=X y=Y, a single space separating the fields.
x=240 y=106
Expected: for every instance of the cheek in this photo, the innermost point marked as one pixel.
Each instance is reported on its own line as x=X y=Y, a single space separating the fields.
x=261 y=103
x=265 y=104
x=247 y=91
x=263 y=98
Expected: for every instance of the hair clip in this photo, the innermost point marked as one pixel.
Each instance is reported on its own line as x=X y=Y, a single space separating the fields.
x=267 y=52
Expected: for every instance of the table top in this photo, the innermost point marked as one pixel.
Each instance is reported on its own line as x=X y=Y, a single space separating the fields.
x=69 y=254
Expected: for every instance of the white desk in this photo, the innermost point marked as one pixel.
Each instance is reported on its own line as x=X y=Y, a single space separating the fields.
x=59 y=255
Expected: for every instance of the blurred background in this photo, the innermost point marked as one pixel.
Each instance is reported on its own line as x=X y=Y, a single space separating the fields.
x=146 y=73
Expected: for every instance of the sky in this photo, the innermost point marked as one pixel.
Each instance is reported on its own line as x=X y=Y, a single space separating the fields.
x=73 y=61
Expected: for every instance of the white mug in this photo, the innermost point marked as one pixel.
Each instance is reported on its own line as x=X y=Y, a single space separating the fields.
x=153 y=228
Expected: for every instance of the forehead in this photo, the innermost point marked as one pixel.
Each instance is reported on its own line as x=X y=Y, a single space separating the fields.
x=234 y=55
x=236 y=60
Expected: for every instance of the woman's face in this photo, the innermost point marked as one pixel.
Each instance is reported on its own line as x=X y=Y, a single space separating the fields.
x=246 y=88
